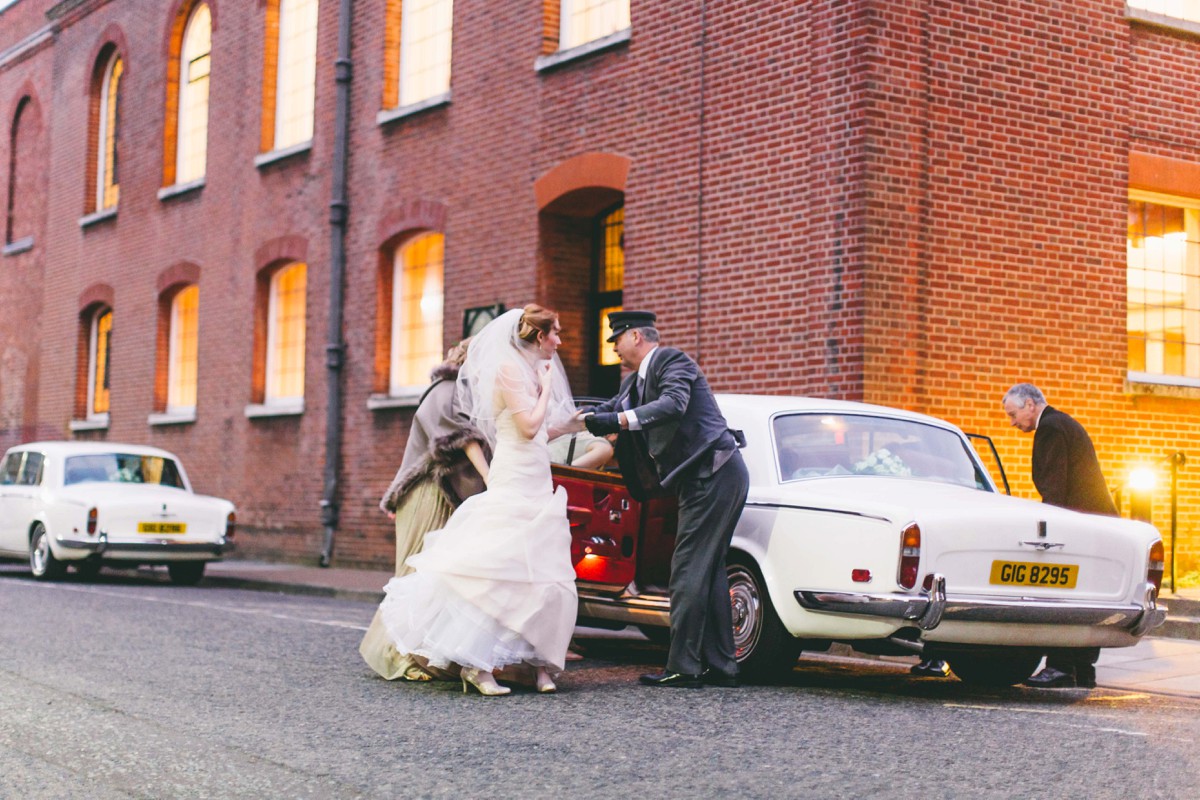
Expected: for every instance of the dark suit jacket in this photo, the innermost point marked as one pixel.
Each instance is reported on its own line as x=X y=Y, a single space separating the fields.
x=680 y=421
x=1066 y=471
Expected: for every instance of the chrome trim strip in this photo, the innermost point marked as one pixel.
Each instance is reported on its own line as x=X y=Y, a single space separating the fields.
x=103 y=546
x=821 y=509
x=929 y=610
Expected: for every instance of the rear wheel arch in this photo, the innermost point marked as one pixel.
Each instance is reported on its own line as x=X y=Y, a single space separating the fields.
x=766 y=649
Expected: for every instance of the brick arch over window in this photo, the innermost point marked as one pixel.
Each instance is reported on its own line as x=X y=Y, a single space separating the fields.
x=409 y=221
x=284 y=248
x=572 y=200
x=25 y=200
x=184 y=272
x=177 y=20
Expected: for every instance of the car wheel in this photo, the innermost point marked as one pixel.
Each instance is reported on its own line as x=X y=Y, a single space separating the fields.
x=765 y=650
x=186 y=573
x=994 y=669
x=41 y=560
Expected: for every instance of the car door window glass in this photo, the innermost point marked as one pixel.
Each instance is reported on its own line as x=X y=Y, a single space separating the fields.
x=10 y=469
x=31 y=470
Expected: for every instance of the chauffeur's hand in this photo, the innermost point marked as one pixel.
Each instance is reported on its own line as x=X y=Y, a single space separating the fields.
x=602 y=423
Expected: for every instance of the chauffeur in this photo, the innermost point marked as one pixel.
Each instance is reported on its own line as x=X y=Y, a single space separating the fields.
x=671 y=434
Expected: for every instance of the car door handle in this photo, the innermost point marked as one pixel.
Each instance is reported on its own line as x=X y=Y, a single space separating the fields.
x=578 y=515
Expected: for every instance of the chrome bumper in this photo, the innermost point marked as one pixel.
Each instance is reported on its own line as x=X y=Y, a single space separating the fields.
x=929 y=609
x=101 y=546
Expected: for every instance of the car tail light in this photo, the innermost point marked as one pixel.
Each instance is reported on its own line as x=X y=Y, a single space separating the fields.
x=92 y=515
x=230 y=525
x=860 y=575
x=1154 y=570
x=910 y=555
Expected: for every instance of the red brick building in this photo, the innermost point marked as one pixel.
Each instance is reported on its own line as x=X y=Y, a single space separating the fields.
x=909 y=203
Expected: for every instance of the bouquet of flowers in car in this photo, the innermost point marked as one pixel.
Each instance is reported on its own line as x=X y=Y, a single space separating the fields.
x=882 y=462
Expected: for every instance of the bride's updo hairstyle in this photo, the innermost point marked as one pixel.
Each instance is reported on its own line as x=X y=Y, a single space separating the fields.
x=535 y=318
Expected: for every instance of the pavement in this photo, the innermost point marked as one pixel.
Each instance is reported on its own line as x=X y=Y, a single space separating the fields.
x=1166 y=663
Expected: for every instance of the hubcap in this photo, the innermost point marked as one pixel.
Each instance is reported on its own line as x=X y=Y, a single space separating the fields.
x=747 y=610
x=40 y=552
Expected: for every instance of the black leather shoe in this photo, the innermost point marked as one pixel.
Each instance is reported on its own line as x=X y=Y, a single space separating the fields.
x=1085 y=676
x=1051 y=678
x=714 y=677
x=678 y=680
x=931 y=668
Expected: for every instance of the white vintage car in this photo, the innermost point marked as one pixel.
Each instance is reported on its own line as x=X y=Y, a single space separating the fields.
x=93 y=503
x=882 y=529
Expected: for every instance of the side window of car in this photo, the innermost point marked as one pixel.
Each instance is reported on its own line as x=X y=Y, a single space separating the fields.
x=10 y=469
x=31 y=471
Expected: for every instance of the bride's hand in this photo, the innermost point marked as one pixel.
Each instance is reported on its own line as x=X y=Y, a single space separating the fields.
x=546 y=375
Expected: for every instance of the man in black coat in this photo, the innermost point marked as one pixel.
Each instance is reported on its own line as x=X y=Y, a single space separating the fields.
x=1066 y=473
x=672 y=434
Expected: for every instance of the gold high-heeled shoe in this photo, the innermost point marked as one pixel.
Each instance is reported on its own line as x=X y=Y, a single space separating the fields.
x=484 y=683
x=545 y=685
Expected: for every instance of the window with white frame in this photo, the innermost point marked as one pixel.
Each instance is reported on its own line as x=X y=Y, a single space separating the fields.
x=425 y=38
x=583 y=21
x=1164 y=289
x=108 y=186
x=191 y=145
x=99 y=358
x=417 y=275
x=296 y=72
x=285 y=335
x=1187 y=10
x=183 y=344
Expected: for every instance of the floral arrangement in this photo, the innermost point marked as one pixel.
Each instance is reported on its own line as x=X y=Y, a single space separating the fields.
x=882 y=462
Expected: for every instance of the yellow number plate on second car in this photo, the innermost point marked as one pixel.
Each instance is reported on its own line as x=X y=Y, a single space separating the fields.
x=162 y=527
x=1024 y=573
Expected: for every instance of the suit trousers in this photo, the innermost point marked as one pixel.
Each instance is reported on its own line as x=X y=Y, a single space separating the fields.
x=701 y=616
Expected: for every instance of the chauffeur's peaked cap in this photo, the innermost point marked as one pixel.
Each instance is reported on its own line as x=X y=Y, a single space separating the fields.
x=621 y=321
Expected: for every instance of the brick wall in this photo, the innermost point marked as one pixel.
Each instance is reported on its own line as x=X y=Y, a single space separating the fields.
x=910 y=203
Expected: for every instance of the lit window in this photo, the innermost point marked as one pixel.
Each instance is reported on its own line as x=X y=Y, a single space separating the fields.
x=1164 y=287
x=194 y=60
x=285 y=334
x=610 y=279
x=296 y=73
x=425 y=34
x=99 y=357
x=584 y=21
x=108 y=186
x=181 y=359
x=1176 y=9
x=416 y=311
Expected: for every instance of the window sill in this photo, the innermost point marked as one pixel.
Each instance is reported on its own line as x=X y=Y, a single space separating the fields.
x=276 y=408
x=547 y=62
x=99 y=422
x=1162 y=21
x=172 y=418
x=384 y=402
x=168 y=192
x=1148 y=383
x=393 y=114
x=98 y=216
x=19 y=246
x=263 y=159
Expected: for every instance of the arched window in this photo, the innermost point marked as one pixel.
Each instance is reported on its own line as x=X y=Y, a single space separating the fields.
x=99 y=358
x=426 y=28
x=191 y=150
x=294 y=47
x=183 y=345
x=23 y=173
x=108 y=128
x=285 y=335
x=583 y=21
x=417 y=274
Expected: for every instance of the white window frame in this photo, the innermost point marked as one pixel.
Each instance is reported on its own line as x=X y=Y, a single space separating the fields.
x=93 y=365
x=395 y=388
x=287 y=17
x=270 y=398
x=174 y=343
x=182 y=113
x=566 y=16
x=413 y=39
x=102 y=144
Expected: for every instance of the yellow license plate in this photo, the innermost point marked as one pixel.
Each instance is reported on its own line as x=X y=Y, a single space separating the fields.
x=162 y=527
x=1024 y=573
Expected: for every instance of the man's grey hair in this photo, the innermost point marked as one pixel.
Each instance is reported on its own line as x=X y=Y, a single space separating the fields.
x=649 y=334
x=1025 y=391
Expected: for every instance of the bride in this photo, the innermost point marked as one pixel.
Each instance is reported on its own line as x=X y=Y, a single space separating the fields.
x=495 y=587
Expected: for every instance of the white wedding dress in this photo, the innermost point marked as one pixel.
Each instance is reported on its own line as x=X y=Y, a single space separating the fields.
x=495 y=586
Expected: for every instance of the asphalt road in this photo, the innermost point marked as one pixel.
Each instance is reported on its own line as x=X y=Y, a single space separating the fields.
x=129 y=687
